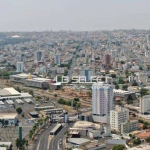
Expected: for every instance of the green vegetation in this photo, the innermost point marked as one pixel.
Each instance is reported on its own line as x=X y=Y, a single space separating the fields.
x=36 y=126
x=59 y=78
x=113 y=75
x=125 y=87
x=120 y=80
x=143 y=92
x=19 y=110
x=117 y=86
x=17 y=88
x=69 y=102
x=122 y=62
x=21 y=143
x=76 y=99
x=55 y=95
x=31 y=92
x=140 y=68
x=130 y=102
x=118 y=147
x=136 y=141
x=145 y=127
x=148 y=140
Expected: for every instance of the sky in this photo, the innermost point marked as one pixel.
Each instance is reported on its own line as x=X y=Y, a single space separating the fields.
x=77 y=15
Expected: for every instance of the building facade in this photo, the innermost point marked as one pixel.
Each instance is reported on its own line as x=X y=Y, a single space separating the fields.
x=88 y=73
x=20 y=66
x=145 y=104
x=118 y=116
x=39 y=56
x=57 y=59
x=102 y=102
x=129 y=126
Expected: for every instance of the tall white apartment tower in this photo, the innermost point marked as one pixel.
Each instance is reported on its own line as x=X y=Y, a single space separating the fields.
x=102 y=102
x=145 y=104
x=57 y=59
x=20 y=66
x=39 y=56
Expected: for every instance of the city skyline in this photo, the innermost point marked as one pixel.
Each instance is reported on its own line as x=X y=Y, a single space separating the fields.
x=74 y=15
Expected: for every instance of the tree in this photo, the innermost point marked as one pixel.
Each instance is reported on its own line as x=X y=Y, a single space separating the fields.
x=118 y=147
x=145 y=127
x=124 y=87
x=120 y=80
x=122 y=62
x=59 y=78
x=31 y=92
x=113 y=75
x=117 y=86
x=21 y=143
x=55 y=95
x=148 y=139
x=76 y=99
x=130 y=135
x=19 y=110
x=144 y=91
x=141 y=121
x=136 y=141
x=140 y=68
x=146 y=123
x=18 y=89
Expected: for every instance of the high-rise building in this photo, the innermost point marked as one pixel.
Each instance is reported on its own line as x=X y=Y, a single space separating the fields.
x=102 y=102
x=107 y=61
x=39 y=56
x=118 y=116
x=148 y=39
x=57 y=59
x=113 y=53
x=20 y=66
x=145 y=104
x=87 y=73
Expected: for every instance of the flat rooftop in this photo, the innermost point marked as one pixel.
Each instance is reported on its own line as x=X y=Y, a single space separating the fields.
x=38 y=79
x=22 y=75
x=22 y=95
x=8 y=92
x=8 y=115
x=85 y=124
x=78 y=141
x=56 y=128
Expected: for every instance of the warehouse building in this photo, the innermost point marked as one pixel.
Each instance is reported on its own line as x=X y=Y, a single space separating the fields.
x=11 y=93
x=8 y=119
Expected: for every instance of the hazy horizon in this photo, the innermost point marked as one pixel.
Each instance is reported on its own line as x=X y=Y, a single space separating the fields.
x=75 y=15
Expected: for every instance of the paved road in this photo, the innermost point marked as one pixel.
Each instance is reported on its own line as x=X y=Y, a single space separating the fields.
x=56 y=139
x=41 y=143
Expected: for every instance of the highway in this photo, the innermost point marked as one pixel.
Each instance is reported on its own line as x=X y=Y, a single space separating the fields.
x=41 y=143
x=54 y=142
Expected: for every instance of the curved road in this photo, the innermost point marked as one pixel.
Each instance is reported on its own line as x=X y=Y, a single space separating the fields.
x=41 y=143
x=55 y=141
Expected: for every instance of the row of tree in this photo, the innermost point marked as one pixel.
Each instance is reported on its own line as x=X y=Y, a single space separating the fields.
x=37 y=126
x=74 y=102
